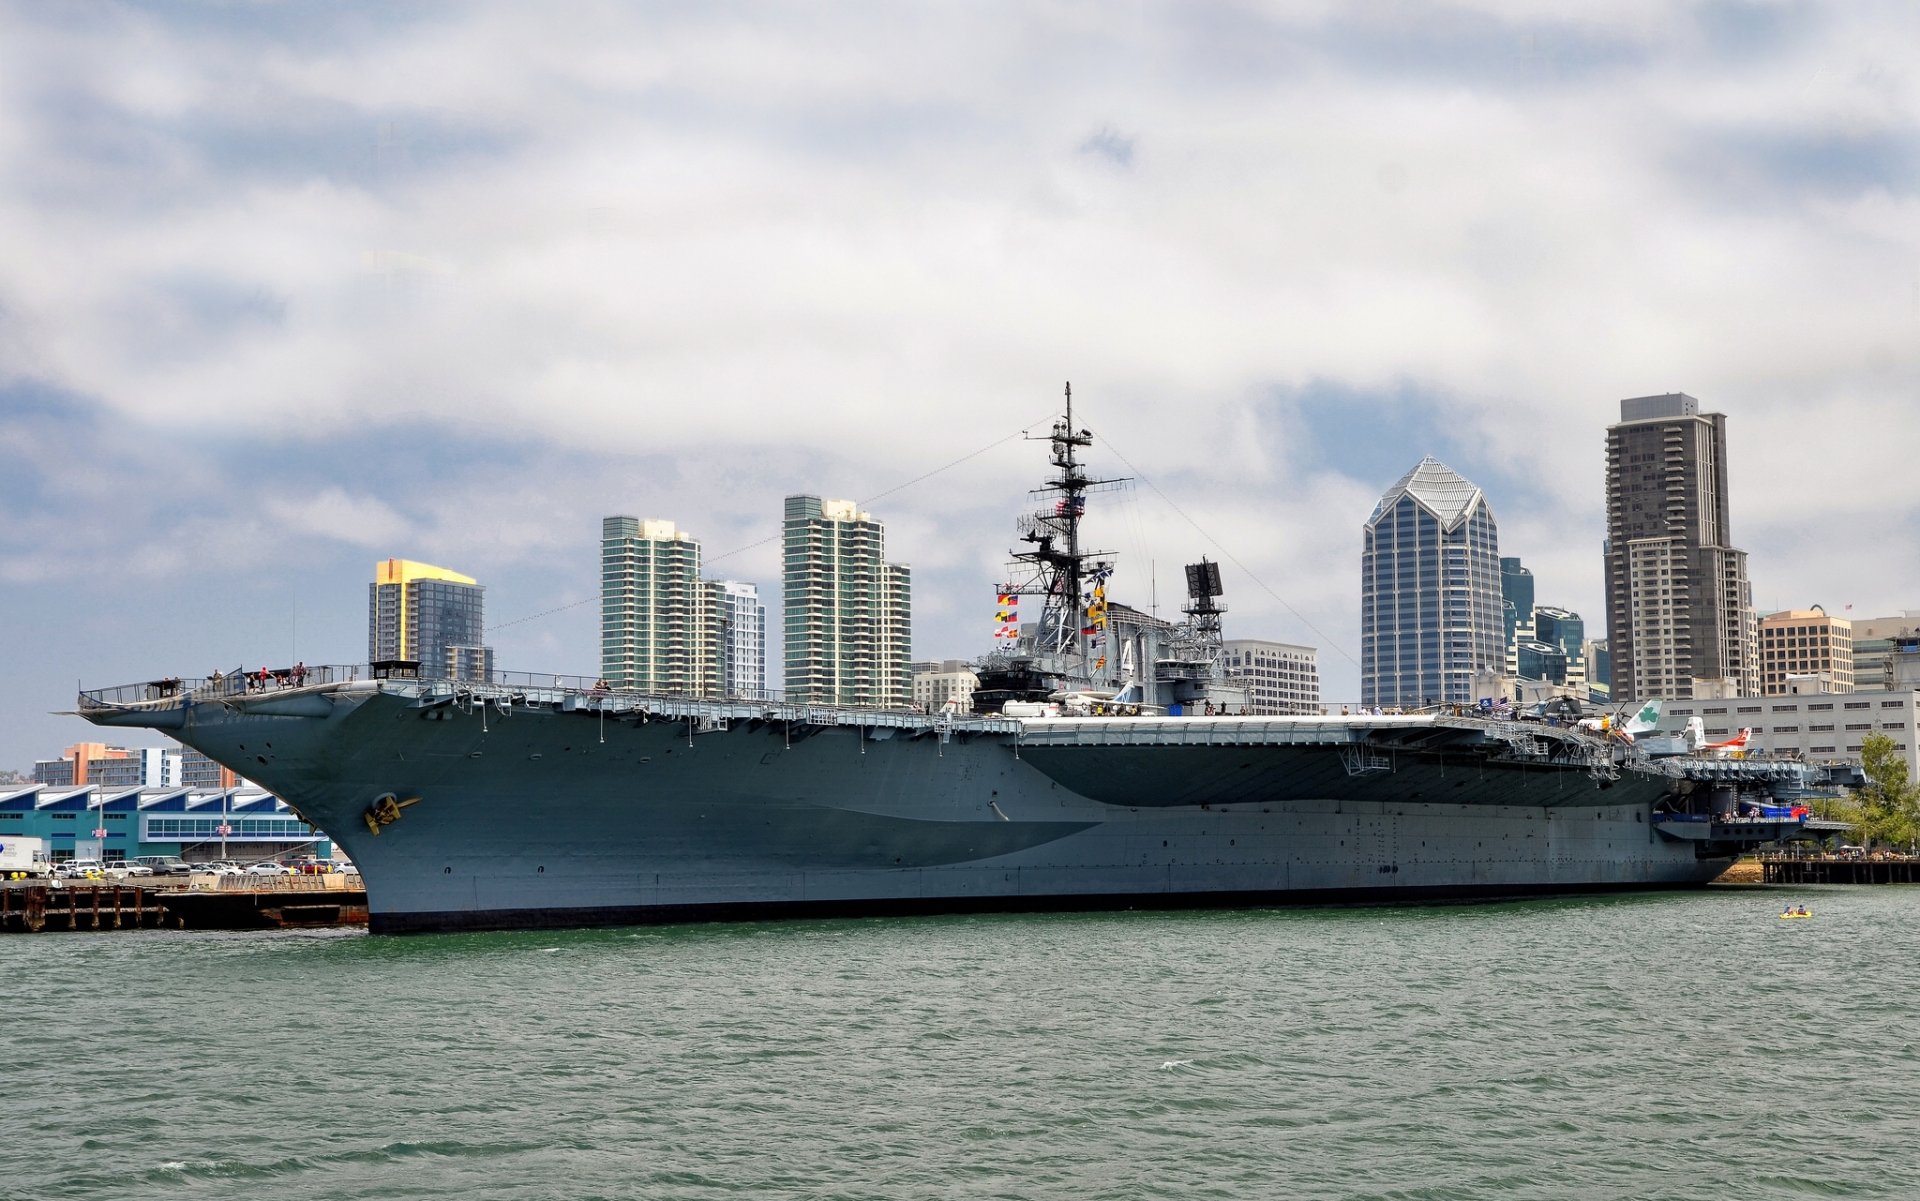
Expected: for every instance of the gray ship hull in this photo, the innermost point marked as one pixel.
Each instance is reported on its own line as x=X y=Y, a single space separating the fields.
x=511 y=810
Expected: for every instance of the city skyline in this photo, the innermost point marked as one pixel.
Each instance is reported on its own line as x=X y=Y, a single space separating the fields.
x=284 y=294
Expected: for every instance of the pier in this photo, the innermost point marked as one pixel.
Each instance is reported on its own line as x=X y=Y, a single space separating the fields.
x=32 y=908
x=225 y=904
x=1841 y=870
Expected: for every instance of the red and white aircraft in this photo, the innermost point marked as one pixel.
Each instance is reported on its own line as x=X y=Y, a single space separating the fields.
x=1732 y=748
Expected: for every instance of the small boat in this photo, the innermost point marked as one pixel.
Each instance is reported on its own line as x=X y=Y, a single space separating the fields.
x=1792 y=916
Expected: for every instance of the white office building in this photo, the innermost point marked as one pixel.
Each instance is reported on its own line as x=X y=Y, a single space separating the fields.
x=938 y=684
x=743 y=637
x=1279 y=677
x=1816 y=726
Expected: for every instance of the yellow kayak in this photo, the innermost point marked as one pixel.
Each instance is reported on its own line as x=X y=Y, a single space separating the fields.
x=1789 y=917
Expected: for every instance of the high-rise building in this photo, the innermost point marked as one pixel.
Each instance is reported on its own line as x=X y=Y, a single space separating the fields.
x=1566 y=632
x=1279 y=677
x=431 y=616
x=659 y=621
x=1805 y=642
x=1563 y=628
x=848 y=612
x=1516 y=599
x=1537 y=660
x=743 y=637
x=1430 y=602
x=1679 y=606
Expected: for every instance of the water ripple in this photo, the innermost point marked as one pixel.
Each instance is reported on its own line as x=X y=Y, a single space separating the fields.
x=1675 y=1046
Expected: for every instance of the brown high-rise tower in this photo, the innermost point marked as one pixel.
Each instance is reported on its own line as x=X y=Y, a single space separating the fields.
x=1679 y=605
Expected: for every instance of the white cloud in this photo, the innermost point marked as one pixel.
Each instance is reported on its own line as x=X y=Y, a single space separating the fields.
x=357 y=520
x=770 y=250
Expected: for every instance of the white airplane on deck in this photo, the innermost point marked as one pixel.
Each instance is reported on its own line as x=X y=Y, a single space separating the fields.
x=1643 y=722
x=1732 y=748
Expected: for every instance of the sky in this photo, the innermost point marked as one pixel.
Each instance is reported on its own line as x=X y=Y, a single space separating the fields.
x=286 y=290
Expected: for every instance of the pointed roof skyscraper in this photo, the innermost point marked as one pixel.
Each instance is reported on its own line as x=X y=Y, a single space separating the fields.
x=1444 y=492
x=1430 y=606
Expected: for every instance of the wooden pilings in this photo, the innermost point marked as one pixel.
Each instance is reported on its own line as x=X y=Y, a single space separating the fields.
x=32 y=908
x=1842 y=871
x=283 y=902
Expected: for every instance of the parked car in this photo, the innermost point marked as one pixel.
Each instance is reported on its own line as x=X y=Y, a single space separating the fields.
x=128 y=870
x=345 y=867
x=164 y=865
x=269 y=869
x=220 y=867
x=80 y=869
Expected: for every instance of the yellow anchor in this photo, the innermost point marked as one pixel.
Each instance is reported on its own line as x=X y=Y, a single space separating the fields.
x=385 y=811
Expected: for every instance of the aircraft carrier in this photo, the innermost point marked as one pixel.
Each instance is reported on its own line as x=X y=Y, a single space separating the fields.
x=1105 y=776
x=500 y=805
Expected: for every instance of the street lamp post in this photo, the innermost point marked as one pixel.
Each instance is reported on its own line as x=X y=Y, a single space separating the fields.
x=100 y=825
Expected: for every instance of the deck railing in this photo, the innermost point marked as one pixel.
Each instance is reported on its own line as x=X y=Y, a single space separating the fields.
x=244 y=680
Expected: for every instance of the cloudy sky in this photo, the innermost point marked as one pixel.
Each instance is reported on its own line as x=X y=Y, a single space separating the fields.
x=286 y=290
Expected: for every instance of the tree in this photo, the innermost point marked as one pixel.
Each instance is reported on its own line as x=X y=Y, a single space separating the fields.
x=1887 y=809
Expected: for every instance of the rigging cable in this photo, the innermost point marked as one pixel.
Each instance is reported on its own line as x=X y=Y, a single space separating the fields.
x=740 y=550
x=1227 y=554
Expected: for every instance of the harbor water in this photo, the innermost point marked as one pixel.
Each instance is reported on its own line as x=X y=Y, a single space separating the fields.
x=1682 y=1045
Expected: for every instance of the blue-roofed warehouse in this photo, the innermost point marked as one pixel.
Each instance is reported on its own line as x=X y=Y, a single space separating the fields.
x=198 y=825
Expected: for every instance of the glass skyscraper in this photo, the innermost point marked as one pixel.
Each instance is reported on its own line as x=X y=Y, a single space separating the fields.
x=425 y=614
x=1430 y=599
x=1563 y=628
x=1516 y=596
